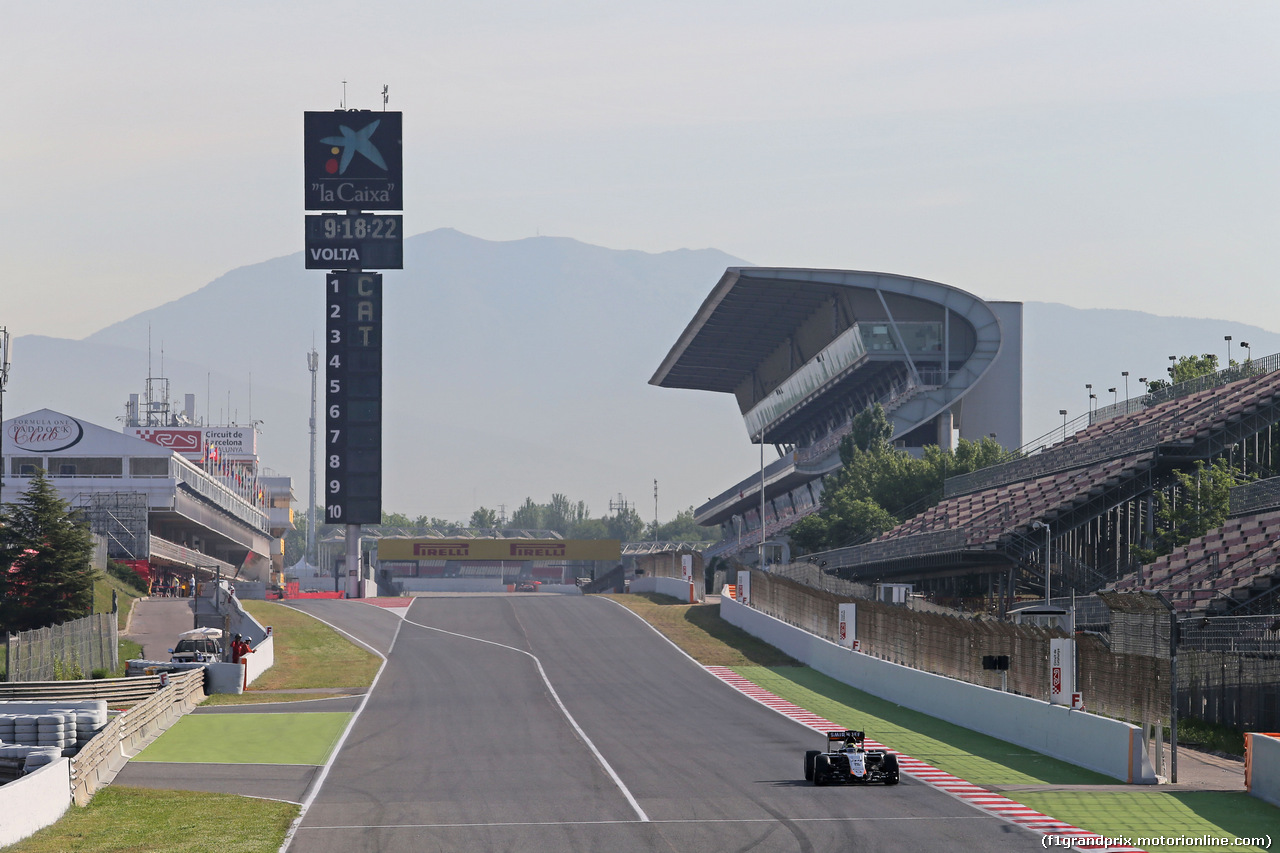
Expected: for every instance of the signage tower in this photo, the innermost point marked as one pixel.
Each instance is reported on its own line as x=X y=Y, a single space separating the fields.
x=353 y=165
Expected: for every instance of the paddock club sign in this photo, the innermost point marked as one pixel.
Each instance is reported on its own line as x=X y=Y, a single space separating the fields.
x=515 y=550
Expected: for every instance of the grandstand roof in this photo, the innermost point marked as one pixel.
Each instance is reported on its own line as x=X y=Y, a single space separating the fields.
x=754 y=310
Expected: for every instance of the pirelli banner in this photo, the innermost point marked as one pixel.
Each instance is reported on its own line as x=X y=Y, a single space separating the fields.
x=516 y=550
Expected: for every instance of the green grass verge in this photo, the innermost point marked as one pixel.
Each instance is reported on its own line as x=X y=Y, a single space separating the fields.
x=249 y=739
x=308 y=653
x=975 y=757
x=1143 y=811
x=103 y=586
x=127 y=650
x=1149 y=813
x=699 y=630
x=124 y=819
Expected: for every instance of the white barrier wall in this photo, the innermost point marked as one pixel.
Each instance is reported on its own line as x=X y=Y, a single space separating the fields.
x=34 y=801
x=1110 y=747
x=262 y=658
x=1262 y=773
x=674 y=587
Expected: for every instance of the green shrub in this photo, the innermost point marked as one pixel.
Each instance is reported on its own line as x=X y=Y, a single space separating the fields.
x=126 y=575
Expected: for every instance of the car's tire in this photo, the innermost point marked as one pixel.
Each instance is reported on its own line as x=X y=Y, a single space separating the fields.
x=891 y=770
x=808 y=764
x=821 y=770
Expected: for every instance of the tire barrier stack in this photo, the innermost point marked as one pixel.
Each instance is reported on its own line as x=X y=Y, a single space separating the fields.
x=30 y=741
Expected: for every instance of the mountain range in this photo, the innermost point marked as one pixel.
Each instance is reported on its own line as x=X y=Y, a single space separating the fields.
x=519 y=369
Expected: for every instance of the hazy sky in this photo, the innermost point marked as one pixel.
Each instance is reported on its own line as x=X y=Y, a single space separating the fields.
x=1100 y=154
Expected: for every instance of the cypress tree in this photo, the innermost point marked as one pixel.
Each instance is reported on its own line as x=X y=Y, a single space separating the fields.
x=46 y=576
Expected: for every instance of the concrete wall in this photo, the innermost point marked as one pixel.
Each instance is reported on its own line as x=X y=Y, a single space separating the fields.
x=34 y=801
x=251 y=629
x=1107 y=746
x=673 y=587
x=994 y=404
x=262 y=659
x=1262 y=771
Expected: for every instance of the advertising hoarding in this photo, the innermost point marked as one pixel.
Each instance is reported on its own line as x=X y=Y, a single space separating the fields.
x=353 y=161
x=515 y=550
x=848 y=630
x=1062 y=671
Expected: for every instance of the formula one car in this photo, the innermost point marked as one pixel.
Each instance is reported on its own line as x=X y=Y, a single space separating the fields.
x=847 y=761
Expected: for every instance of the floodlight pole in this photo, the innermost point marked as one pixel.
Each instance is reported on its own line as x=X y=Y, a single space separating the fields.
x=313 y=364
x=1173 y=687
x=762 y=500
x=4 y=380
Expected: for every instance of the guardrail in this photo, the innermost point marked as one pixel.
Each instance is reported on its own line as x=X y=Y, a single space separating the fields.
x=133 y=689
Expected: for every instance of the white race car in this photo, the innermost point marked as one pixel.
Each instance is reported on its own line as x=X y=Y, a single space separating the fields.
x=847 y=761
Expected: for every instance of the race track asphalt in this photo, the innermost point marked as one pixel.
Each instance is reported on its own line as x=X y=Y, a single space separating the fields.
x=626 y=745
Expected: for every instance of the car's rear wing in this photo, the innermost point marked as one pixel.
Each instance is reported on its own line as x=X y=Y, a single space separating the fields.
x=846 y=735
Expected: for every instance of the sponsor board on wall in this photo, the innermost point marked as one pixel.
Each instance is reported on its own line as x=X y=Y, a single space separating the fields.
x=188 y=441
x=499 y=549
x=848 y=633
x=233 y=442
x=1062 y=671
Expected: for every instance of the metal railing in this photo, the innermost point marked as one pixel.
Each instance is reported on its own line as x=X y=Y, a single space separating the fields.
x=1254 y=497
x=133 y=689
x=1057 y=459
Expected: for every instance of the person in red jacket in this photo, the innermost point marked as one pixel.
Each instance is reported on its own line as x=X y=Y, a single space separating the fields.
x=239 y=648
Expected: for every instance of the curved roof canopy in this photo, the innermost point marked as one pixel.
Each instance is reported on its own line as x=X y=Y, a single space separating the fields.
x=754 y=310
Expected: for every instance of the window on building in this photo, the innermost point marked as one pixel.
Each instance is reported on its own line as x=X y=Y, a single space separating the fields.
x=87 y=466
x=149 y=466
x=25 y=466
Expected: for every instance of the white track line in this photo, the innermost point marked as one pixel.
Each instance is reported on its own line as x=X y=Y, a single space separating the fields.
x=617 y=780
x=333 y=755
x=694 y=820
x=973 y=795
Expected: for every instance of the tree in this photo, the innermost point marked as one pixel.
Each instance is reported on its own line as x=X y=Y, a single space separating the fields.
x=1198 y=502
x=682 y=528
x=871 y=430
x=528 y=516
x=484 y=518
x=45 y=551
x=1186 y=368
x=879 y=486
x=626 y=525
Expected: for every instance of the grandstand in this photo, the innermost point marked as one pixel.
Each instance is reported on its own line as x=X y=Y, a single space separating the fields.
x=1095 y=490
x=1231 y=570
x=804 y=350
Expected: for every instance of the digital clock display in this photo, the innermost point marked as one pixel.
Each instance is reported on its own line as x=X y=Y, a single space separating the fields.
x=367 y=241
x=362 y=227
